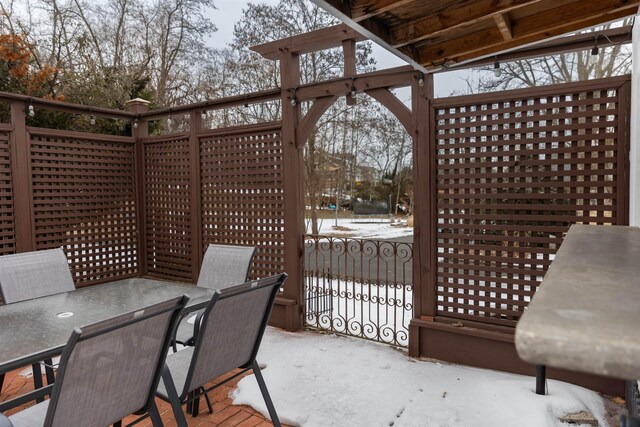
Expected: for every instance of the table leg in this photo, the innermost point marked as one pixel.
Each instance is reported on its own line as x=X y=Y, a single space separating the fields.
x=541 y=379
x=37 y=379
x=48 y=369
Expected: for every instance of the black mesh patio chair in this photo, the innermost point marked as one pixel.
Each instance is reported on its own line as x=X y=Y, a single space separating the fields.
x=108 y=370
x=228 y=338
x=222 y=266
x=31 y=275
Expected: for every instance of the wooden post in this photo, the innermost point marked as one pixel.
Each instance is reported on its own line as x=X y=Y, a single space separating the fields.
x=195 y=126
x=349 y=52
x=424 y=239
x=21 y=175
x=139 y=130
x=289 y=309
x=623 y=196
x=634 y=154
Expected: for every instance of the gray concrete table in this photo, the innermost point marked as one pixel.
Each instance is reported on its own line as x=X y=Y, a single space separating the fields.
x=586 y=314
x=33 y=330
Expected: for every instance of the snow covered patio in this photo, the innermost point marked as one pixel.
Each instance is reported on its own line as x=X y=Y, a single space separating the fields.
x=327 y=380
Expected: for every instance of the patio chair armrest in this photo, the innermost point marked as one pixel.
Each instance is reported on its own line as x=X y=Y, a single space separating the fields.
x=4 y=421
x=196 y=325
x=174 y=337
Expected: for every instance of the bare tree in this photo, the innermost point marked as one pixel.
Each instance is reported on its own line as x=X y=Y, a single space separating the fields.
x=561 y=68
x=107 y=51
x=262 y=23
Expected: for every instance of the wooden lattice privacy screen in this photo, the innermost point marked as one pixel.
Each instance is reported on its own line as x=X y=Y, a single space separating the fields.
x=241 y=193
x=239 y=174
x=80 y=193
x=7 y=218
x=167 y=177
x=83 y=191
x=514 y=170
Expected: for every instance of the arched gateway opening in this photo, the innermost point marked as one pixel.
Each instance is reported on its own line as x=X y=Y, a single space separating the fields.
x=296 y=129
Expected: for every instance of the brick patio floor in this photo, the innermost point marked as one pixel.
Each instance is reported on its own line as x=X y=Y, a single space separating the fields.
x=224 y=412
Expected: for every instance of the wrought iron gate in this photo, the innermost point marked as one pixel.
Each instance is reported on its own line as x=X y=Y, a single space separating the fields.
x=361 y=288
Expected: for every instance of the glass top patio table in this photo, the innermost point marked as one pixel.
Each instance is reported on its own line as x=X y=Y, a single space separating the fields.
x=35 y=329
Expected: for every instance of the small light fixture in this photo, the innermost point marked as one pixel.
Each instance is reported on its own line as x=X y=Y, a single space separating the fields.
x=595 y=53
x=353 y=87
x=246 y=101
x=294 y=101
x=497 y=71
x=421 y=80
x=135 y=123
x=169 y=121
x=92 y=120
x=30 y=110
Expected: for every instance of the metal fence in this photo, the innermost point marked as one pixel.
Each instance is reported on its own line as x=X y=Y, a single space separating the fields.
x=359 y=287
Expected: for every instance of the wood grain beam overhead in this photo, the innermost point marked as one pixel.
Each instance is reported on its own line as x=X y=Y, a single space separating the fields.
x=325 y=38
x=429 y=33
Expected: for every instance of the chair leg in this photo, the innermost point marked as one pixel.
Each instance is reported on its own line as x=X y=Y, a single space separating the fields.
x=206 y=399
x=196 y=402
x=156 y=420
x=195 y=408
x=174 y=399
x=37 y=379
x=265 y=394
x=189 y=405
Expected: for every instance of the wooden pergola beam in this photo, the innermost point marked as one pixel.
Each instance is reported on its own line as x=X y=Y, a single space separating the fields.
x=558 y=46
x=525 y=31
x=364 y=9
x=325 y=38
x=389 y=79
x=468 y=13
x=504 y=25
x=428 y=34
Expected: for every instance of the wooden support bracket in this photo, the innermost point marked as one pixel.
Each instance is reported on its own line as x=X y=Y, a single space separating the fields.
x=311 y=118
x=397 y=107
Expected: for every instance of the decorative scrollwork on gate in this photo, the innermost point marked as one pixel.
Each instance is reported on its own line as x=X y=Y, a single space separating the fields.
x=359 y=287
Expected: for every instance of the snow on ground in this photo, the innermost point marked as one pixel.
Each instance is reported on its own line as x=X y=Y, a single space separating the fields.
x=326 y=380
x=362 y=228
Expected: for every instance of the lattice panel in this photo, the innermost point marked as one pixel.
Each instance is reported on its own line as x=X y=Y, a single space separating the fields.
x=512 y=175
x=7 y=223
x=168 y=208
x=242 y=195
x=84 y=200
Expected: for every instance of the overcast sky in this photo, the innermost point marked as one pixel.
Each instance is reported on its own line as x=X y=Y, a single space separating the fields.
x=230 y=11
